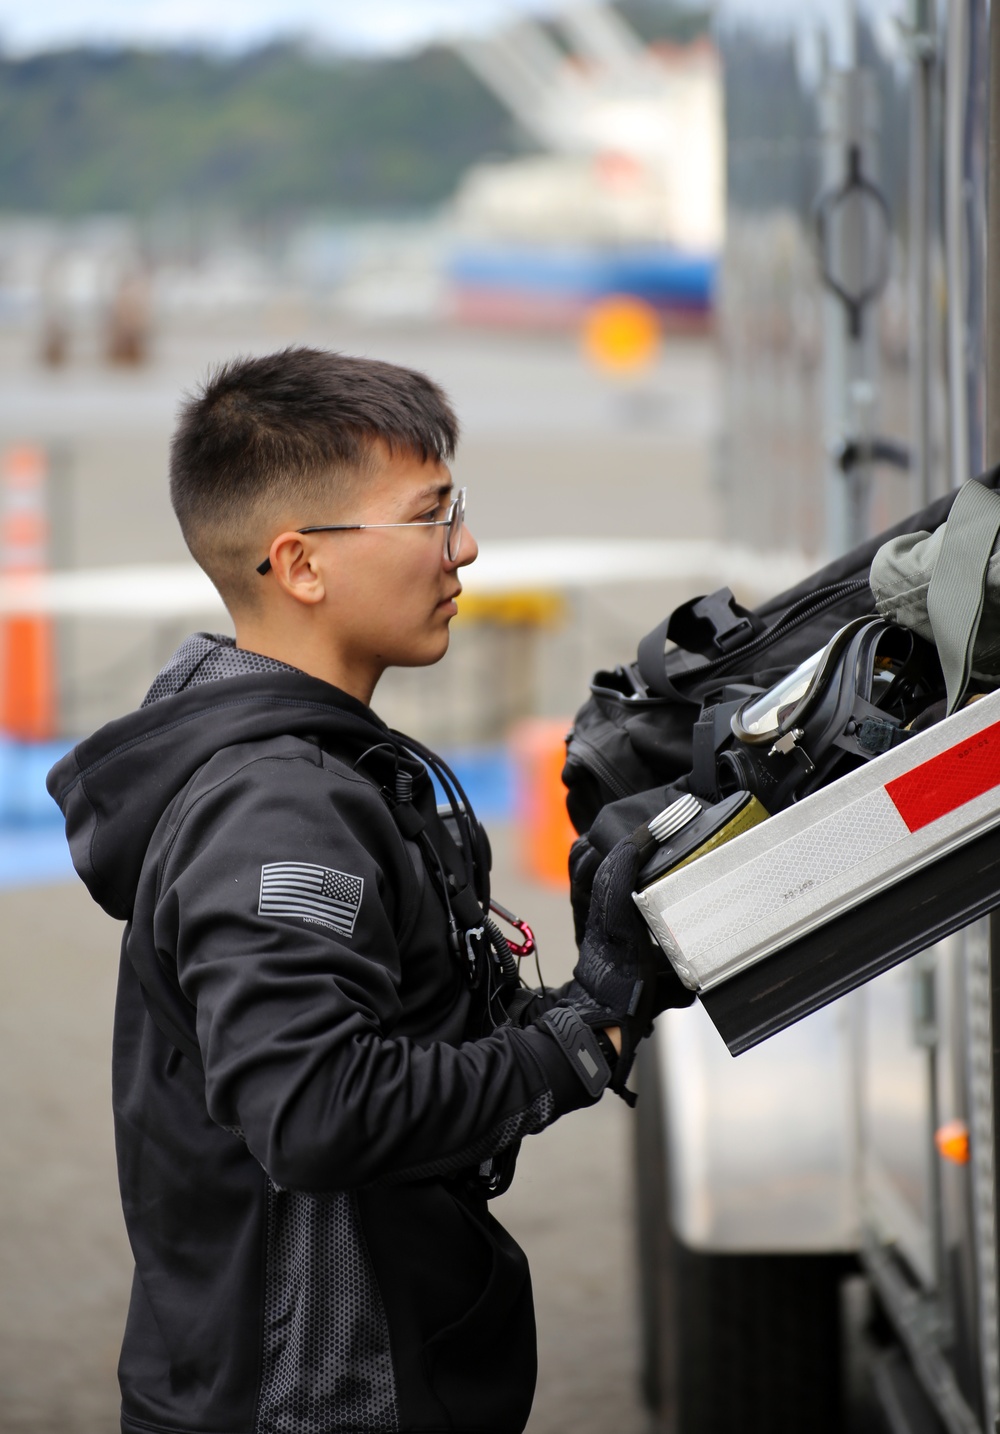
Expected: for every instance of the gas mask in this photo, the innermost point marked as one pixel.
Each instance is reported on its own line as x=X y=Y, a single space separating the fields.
x=847 y=703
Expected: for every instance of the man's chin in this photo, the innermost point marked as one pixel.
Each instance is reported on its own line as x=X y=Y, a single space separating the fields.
x=426 y=654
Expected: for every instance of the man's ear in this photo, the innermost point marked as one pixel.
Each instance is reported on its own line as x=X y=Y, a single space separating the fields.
x=295 y=569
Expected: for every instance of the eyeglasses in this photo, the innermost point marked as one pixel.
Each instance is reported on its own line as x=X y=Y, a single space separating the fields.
x=454 y=522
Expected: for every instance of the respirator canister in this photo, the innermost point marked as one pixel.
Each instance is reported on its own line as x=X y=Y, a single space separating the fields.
x=687 y=831
x=855 y=843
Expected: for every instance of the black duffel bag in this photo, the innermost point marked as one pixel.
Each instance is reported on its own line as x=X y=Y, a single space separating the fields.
x=645 y=735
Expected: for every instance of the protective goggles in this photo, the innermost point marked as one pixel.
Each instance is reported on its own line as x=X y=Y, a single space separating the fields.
x=454 y=522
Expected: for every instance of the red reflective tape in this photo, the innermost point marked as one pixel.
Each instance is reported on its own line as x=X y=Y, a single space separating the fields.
x=948 y=780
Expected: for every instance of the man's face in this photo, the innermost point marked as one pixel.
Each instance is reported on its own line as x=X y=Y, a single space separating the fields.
x=391 y=591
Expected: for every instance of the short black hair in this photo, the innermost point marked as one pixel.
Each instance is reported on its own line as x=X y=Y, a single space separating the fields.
x=291 y=428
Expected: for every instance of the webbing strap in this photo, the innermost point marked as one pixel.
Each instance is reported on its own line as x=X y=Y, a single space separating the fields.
x=957 y=587
x=650 y=660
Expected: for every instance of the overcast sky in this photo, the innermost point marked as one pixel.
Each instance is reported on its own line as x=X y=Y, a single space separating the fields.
x=355 y=24
x=365 y=25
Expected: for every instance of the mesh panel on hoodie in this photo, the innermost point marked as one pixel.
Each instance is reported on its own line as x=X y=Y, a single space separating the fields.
x=208 y=657
x=327 y=1366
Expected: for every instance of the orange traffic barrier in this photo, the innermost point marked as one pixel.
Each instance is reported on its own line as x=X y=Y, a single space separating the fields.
x=27 y=647
x=545 y=832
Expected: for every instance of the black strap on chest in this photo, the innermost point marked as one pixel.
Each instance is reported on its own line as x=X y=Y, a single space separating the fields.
x=456 y=855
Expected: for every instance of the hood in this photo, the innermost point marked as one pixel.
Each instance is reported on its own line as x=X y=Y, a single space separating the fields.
x=115 y=786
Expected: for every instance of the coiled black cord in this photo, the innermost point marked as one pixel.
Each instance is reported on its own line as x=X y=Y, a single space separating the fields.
x=505 y=955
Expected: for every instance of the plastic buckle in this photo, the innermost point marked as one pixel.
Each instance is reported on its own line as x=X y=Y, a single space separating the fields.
x=474 y=949
x=729 y=628
x=490 y=1176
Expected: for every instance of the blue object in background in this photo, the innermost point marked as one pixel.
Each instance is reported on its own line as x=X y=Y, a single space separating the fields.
x=34 y=856
x=24 y=802
x=33 y=846
x=664 y=277
x=487 y=774
x=32 y=836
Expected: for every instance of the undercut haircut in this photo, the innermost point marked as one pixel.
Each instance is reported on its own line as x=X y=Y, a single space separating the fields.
x=295 y=430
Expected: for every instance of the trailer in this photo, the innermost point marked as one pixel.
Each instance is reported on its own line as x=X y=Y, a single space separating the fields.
x=818 y=1216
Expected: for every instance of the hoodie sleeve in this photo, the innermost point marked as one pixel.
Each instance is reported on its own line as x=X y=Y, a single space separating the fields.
x=284 y=893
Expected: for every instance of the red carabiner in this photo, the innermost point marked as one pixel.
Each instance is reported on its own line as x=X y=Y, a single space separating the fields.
x=527 y=947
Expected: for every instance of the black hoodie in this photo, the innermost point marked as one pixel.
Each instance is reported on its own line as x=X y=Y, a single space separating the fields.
x=313 y=1253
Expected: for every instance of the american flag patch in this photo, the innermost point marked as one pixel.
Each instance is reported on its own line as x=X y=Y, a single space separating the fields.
x=314 y=893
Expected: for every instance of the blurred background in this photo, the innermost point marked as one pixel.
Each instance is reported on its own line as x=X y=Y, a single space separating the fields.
x=524 y=200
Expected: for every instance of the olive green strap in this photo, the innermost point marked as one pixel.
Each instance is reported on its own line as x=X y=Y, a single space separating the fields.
x=958 y=584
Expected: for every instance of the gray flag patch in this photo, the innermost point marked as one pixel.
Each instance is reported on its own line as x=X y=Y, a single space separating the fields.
x=313 y=893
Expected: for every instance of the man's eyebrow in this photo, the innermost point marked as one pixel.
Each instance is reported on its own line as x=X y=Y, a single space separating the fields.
x=436 y=490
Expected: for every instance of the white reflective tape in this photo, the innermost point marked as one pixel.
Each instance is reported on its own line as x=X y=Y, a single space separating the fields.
x=832 y=851
x=22 y=559
x=787 y=880
x=24 y=500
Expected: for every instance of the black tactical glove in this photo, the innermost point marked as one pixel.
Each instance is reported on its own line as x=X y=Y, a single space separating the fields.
x=621 y=978
x=584 y=863
x=613 y=822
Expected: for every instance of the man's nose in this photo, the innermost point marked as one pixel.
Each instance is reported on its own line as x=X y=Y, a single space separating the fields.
x=468 y=550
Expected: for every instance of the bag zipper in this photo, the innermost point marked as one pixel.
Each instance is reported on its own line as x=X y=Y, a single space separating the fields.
x=817 y=602
x=598 y=763
x=592 y=758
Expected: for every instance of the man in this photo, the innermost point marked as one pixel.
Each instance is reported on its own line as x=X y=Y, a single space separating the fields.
x=323 y=1058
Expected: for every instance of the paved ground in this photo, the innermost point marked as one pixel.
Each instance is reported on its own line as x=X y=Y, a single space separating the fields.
x=64 y=1260
x=571 y=1210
